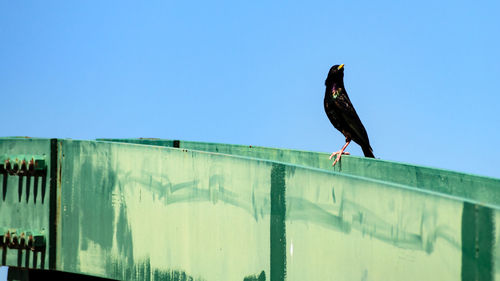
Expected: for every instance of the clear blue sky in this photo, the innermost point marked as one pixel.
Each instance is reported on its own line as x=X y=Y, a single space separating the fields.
x=423 y=76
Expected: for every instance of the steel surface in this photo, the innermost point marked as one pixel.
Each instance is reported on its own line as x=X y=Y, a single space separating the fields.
x=176 y=210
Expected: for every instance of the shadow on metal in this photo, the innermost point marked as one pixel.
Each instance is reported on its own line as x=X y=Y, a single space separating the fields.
x=29 y=274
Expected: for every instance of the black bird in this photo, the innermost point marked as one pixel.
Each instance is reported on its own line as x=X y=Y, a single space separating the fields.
x=342 y=114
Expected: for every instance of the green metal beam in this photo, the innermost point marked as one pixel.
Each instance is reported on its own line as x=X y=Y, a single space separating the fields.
x=478 y=188
x=178 y=210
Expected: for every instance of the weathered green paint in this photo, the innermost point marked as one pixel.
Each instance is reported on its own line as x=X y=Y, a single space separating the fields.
x=224 y=212
x=166 y=209
x=481 y=189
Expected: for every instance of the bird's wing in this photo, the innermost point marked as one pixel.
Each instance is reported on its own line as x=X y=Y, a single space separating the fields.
x=331 y=113
x=350 y=118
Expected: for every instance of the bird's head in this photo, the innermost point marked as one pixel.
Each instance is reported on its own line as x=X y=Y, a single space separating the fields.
x=335 y=75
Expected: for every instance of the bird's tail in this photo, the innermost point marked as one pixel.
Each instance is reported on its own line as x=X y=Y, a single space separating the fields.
x=367 y=150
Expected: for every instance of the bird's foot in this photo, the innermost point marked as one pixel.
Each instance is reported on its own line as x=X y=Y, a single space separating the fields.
x=339 y=154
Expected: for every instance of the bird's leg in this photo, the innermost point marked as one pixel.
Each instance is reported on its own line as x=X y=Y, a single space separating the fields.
x=340 y=152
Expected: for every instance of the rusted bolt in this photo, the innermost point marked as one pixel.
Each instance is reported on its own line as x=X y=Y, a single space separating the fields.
x=14 y=244
x=30 y=241
x=6 y=239
x=13 y=239
x=31 y=165
x=22 y=241
x=15 y=168
x=24 y=167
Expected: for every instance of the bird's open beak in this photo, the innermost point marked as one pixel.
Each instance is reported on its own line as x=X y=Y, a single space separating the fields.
x=340 y=67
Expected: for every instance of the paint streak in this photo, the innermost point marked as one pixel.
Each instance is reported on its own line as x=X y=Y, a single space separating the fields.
x=191 y=191
x=478 y=240
x=362 y=219
x=142 y=270
x=260 y=277
x=277 y=231
x=357 y=217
